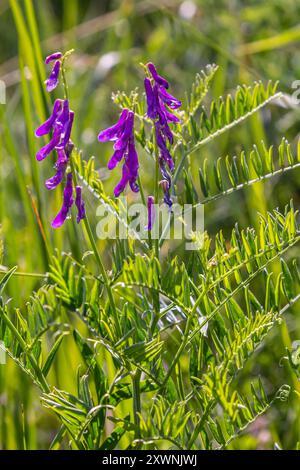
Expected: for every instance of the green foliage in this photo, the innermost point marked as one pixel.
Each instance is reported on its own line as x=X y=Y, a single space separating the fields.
x=238 y=323
x=230 y=174
x=185 y=350
x=227 y=113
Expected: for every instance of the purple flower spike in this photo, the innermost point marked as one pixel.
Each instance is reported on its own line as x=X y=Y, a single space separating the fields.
x=48 y=125
x=60 y=124
x=53 y=80
x=67 y=203
x=79 y=204
x=158 y=79
x=151 y=213
x=52 y=57
x=114 y=132
x=61 y=166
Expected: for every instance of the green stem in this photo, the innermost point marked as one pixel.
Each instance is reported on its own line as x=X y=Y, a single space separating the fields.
x=103 y=273
x=145 y=204
x=141 y=190
x=182 y=346
x=63 y=73
x=136 y=397
x=22 y=274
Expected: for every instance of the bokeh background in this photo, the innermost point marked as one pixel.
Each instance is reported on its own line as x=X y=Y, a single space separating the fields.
x=249 y=40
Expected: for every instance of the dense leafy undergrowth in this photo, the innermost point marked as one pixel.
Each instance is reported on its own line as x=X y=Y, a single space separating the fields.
x=163 y=342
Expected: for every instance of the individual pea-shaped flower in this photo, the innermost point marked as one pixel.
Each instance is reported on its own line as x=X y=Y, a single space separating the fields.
x=161 y=143
x=48 y=125
x=67 y=203
x=48 y=148
x=152 y=99
x=52 y=57
x=165 y=183
x=151 y=213
x=53 y=80
x=61 y=166
x=122 y=133
x=161 y=81
x=79 y=204
x=129 y=171
x=64 y=123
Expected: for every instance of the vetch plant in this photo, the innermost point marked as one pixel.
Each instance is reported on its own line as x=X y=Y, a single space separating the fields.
x=163 y=339
x=60 y=123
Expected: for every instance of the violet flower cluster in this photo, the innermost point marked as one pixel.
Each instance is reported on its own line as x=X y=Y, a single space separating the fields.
x=160 y=103
x=122 y=133
x=59 y=125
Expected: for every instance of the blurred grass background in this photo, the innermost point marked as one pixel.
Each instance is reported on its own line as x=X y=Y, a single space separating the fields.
x=249 y=40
